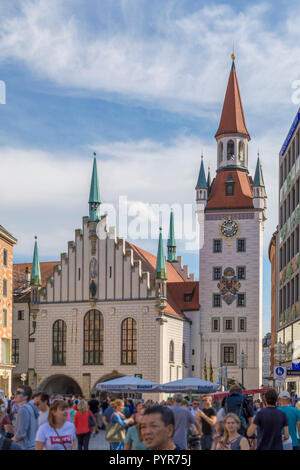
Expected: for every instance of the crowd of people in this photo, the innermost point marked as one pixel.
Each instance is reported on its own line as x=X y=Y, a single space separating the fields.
x=236 y=422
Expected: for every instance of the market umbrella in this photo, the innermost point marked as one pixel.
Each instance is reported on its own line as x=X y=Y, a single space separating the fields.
x=128 y=384
x=189 y=384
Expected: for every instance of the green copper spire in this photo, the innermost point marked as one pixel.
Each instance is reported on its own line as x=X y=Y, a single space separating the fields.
x=201 y=184
x=208 y=181
x=36 y=279
x=258 y=178
x=94 y=200
x=171 y=241
x=161 y=272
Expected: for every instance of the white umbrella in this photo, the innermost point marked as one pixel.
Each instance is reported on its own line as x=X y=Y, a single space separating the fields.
x=190 y=384
x=127 y=384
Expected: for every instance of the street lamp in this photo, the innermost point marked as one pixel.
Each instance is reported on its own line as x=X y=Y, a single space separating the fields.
x=243 y=363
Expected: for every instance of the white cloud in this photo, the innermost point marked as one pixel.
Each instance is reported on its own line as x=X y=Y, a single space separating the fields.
x=51 y=192
x=183 y=64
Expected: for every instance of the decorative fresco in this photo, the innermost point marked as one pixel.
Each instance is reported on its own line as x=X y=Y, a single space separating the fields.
x=229 y=286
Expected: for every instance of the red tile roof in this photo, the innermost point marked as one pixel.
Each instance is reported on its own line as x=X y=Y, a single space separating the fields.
x=149 y=263
x=232 y=119
x=19 y=272
x=242 y=196
x=176 y=294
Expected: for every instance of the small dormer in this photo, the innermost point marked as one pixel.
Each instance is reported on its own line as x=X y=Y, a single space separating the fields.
x=229 y=186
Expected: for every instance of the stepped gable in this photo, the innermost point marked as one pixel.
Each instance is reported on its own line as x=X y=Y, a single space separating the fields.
x=242 y=197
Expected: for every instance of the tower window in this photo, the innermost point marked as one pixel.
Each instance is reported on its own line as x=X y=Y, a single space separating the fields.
x=217 y=246
x=241 y=272
x=230 y=150
x=241 y=300
x=188 y=297
x=242 y=324
x=241 y=245
x=216 y=300
x=217 y=273
x=229 y=189
x=215 y=327
x=241 y=151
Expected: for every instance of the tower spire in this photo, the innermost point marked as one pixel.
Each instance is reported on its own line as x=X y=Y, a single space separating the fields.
x=232 y=120
x=171 y=241
x=201 y=183
x=94 y=199
x=35 y=279
x=161 y=272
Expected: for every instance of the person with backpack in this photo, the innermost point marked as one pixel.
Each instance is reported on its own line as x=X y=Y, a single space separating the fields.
x=238 y=404
x=84 y=423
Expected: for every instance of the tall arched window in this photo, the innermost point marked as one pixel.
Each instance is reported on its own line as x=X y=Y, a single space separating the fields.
x=241 y=151
x=230 y=149
x=171 y=351
x=59 y=342
x=128 y=341
x=93 y=337
x=183 y=354
x=220 y=152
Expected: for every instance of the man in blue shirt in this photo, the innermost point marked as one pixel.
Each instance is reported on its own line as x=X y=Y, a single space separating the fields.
x=293 y=416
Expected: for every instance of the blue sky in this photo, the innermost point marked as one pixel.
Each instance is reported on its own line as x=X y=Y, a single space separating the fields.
x=142 y=84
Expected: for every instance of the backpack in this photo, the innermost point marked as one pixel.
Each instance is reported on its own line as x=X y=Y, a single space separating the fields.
x=234 y=403
x=6 y=444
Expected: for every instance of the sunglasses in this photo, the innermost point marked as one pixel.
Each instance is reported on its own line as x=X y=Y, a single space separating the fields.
x=19 y=392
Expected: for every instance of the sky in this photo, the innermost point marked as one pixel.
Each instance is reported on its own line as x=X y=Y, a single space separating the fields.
x=141 y=84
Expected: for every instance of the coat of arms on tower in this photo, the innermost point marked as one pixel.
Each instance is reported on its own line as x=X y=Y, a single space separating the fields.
x=229 y=286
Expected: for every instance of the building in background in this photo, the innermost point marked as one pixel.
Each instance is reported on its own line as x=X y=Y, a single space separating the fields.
x=231 y=214
x=267 y=374
x=285 y=268
x=7 y=242
x=106 y=309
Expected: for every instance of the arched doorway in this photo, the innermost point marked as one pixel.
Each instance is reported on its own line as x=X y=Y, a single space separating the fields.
x=113 y=375
x=60 y=385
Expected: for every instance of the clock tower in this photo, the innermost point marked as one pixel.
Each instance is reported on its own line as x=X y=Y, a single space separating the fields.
x=231 y=220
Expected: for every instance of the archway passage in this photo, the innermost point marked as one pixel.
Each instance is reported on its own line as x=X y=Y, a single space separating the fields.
x=60 y=385
x=113 y=375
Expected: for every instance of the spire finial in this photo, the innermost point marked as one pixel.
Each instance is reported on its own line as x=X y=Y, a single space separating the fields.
x=95 y=154
x=233 y=54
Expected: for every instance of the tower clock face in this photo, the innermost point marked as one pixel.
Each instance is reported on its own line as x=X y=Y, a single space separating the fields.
x=229 y=228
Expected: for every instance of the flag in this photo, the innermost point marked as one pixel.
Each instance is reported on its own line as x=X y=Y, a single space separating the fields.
x=205 y=369
x=211 y=372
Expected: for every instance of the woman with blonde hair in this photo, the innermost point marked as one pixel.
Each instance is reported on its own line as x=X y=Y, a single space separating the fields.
x=118 y=418
x=84 y=422
x=231 y=439
x=57 y=433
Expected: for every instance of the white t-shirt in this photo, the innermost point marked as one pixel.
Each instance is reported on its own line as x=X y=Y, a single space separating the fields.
x=51 y=440
x=43 y=417
x=194 y=412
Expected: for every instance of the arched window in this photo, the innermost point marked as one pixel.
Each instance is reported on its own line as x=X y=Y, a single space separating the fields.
x=171 y=351
x=93 y=337
x=220 y=152
x=230 y=149
x=59 y=342
x=241 y=151
x=128 y=342
x=183 y=354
